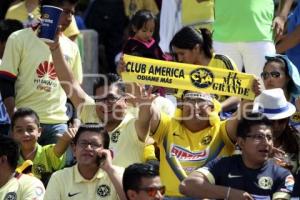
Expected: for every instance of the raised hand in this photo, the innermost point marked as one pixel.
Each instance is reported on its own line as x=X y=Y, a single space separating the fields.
x=69 y=134
x=139 y=95
x=257 y=86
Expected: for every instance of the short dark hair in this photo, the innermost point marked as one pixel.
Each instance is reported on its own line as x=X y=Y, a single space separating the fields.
x=134 y=173
x=10 y=148
x=23 y=112
x=93 y=127
x=57 y=3
x=250 y=120
x=7 y=27
x=107 y=80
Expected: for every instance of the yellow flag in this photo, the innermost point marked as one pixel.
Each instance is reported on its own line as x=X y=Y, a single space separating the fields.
x=188 y=77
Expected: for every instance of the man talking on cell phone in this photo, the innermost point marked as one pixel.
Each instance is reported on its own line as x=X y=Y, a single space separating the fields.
x=93 y=176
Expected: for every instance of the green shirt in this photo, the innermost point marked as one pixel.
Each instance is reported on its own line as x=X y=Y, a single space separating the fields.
x=243 y=20
x=45 y=161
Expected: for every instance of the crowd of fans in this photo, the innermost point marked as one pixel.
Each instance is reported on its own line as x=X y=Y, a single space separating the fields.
x=138 y=142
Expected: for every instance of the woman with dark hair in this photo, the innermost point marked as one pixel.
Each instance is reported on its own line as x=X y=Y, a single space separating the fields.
x=193 y=46
x=280 y=72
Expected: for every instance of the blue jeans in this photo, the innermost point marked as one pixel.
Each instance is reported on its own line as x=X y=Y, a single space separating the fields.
x=50 y=134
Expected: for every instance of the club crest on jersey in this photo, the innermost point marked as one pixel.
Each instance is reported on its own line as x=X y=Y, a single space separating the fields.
x=103 y=190
x=265 y=182
x=186 y=155
x=206 y=140
x=115 y=136
x=39 y=169
x=10 y=196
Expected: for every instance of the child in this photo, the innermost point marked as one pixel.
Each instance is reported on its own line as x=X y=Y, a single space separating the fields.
x=26 y=130
x=140 y=41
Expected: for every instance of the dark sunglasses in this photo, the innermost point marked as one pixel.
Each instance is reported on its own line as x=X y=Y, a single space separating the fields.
x=152 y=191
x=273 y=74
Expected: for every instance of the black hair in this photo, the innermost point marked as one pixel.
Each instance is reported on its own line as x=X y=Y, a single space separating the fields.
x=93 y=127
x=23 y=112
x=57 y=3
x=283 y=62
x=139 y=19
x=252 y=119
x=107 y=80
x=7 y=27
x=9 y=148
x=135 y=172
x=188 y=37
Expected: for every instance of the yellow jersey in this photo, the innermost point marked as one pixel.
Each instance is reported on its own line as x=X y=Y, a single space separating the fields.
x=68 y=184
x=22 y=187
x=182 y=151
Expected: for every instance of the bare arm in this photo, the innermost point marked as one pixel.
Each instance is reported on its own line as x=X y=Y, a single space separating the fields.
x=10 y=105
x=232 y=123
x=281 y=17
x=64 y=141
x=230 y=103
x=70 y=85
x=148 y=117
x=289 y=41
x=197 y=186
x=244 y=108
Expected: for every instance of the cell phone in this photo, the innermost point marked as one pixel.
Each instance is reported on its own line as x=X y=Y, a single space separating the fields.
x=100 y=160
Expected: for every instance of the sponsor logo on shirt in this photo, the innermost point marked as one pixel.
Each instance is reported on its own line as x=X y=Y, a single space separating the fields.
x=72 y=194
x=186 y=155
x=234 y=175
x=289 y=182
x=46 y=77
x=46 y=69
x=103 y=190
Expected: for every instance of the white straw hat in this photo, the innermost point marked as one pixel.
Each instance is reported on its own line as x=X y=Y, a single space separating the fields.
x=273 y=104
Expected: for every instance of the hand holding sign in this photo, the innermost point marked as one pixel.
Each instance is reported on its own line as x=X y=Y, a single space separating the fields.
x=256 y=86
x=189 y=77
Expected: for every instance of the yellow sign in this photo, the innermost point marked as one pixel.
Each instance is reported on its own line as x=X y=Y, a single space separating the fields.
x=188 y=77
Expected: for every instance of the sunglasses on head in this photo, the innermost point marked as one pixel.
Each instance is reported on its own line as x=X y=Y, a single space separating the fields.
x=273 y=74
x=152 y=191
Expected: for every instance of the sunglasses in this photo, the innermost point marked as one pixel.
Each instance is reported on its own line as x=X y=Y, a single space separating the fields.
x=273 y=74
x=152 y=191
